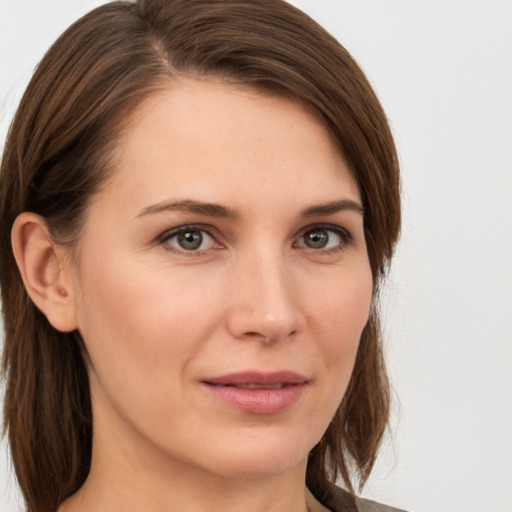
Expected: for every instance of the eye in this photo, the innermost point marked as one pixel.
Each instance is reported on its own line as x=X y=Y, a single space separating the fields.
x=189 y=239
x=325 y=238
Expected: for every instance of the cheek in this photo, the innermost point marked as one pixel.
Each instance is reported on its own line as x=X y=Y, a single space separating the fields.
x=138 y=322
x=143 y=332
x=337 y=318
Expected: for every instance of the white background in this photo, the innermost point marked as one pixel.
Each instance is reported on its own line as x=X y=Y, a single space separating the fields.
x=443 y=70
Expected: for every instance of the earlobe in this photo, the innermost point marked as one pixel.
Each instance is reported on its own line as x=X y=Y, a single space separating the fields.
x=42 y=269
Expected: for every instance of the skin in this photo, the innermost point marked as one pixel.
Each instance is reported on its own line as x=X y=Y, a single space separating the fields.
x=158 y=319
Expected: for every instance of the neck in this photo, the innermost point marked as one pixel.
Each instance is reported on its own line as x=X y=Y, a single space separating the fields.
x=121 y=480
x=188 y=493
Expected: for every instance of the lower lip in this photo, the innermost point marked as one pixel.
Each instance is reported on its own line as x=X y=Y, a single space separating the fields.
x=259 y=401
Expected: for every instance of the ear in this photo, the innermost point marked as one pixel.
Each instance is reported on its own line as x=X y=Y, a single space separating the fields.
x=45 y=270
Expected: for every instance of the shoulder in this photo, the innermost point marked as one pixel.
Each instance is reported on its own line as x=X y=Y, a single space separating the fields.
x=337 y=499
x=364 y=505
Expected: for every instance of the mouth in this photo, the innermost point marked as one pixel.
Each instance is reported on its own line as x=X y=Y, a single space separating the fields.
x=258 y=393
x=258 y=380
x=251 y=385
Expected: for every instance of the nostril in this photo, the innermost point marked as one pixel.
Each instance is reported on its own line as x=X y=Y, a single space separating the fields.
x=253 y=334
x=267 y=339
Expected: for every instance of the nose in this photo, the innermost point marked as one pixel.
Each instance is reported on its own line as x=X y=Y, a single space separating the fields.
x=263 y=303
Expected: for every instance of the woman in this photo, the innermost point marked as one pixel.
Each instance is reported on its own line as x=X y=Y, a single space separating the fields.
x=202 y=198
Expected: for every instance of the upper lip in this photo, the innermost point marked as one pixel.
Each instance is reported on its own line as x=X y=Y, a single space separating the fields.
x=258 y=378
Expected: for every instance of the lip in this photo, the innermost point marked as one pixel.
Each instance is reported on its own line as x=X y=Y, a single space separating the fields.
x=258 y=392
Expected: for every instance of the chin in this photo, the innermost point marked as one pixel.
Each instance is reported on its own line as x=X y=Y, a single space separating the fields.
x=261 y=466
x=258 y=458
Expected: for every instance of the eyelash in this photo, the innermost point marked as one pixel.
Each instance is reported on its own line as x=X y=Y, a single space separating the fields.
x=168 y=235
x=345 y=237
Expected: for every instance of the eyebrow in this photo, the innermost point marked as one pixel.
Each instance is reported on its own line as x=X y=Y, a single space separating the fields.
x=332 y=207
x=190 y=206
x=219 y=211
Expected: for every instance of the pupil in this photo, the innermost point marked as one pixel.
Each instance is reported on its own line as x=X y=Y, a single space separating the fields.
x=190 y=240
x=316 y=239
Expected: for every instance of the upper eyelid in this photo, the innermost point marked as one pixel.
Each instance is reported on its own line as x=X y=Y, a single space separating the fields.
x=210 y=230
x=327 y=226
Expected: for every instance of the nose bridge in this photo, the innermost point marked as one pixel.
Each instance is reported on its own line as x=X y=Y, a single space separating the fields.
x=264 y=304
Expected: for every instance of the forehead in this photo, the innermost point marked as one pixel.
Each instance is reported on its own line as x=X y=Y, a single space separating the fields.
x=195 y=135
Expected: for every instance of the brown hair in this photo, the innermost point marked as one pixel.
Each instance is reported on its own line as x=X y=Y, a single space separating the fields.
x=58 y=154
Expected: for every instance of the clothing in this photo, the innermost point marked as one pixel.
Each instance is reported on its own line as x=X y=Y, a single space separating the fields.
x=337 y=499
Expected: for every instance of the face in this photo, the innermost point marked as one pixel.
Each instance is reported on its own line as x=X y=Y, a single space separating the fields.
x=222 y=284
